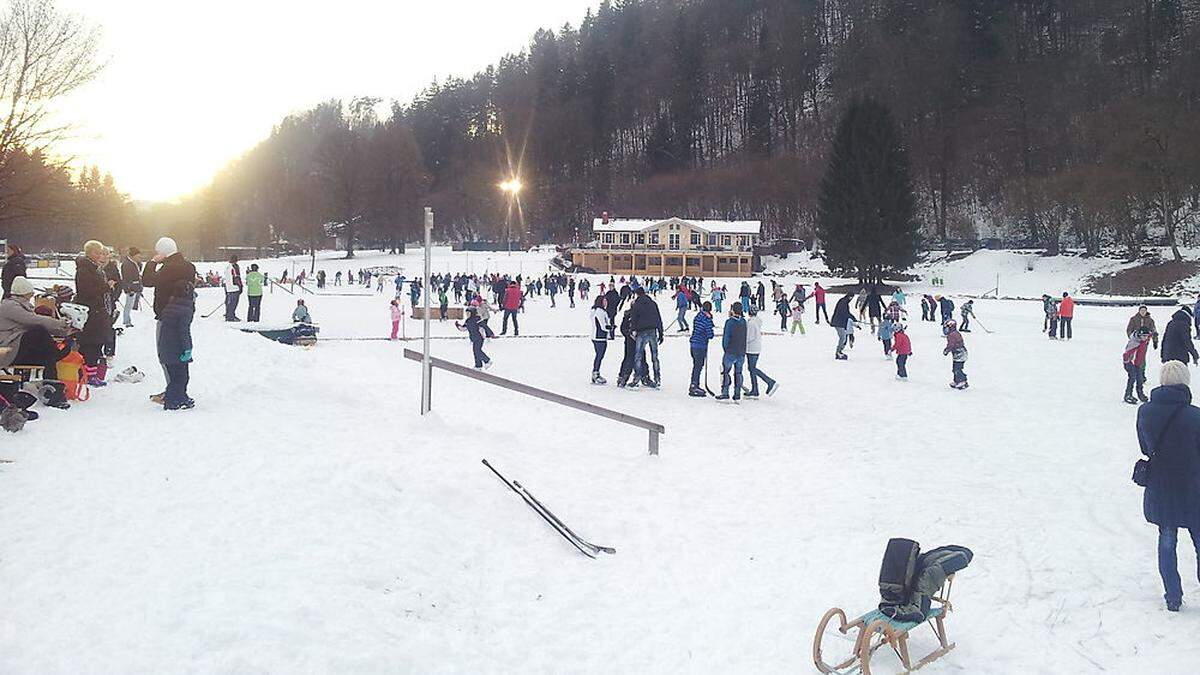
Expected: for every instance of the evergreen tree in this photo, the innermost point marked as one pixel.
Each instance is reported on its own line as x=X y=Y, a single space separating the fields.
x=867 y=211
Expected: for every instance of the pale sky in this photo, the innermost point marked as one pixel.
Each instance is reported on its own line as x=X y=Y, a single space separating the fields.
x=192 y=85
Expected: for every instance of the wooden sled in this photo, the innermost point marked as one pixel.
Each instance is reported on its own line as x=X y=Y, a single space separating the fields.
x=876 y=630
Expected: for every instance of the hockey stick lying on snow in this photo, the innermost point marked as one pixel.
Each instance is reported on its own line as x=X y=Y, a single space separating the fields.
x=584 y=547
x=594 y=547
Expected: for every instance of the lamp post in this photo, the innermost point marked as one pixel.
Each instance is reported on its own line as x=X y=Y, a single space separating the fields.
x=512 y=187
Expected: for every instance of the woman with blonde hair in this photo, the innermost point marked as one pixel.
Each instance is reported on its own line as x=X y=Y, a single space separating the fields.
x=91 y=288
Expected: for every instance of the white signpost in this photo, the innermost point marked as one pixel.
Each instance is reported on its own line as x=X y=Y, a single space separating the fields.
x=426 y=364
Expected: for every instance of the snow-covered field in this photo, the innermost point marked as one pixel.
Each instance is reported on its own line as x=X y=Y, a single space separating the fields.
x=305 y=518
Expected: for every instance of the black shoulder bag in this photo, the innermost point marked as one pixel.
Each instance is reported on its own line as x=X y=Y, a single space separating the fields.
x=1141 y=468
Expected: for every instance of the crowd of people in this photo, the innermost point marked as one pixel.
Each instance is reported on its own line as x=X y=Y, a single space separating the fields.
x=74 y=338
x=84 y=330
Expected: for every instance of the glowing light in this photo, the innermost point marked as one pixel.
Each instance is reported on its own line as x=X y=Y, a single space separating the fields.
x=512 y=186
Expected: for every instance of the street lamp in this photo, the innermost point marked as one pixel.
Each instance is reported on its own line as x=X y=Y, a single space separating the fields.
x=513 y=187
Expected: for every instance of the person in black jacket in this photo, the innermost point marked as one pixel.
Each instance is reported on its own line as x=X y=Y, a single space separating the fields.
x=14 y=267
x=167 y=273
x=112 y=273
x=733 y=341
x=131 y=279
x=631 y=356
x=91 y=290
x=612 y=304
x=840 y=322
x=647 y=324
x=1177 y=338
x=1168 y=430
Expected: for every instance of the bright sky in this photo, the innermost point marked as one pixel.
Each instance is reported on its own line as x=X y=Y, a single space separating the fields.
x=191 y=85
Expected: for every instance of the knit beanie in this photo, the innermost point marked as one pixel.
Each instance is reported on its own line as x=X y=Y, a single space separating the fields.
x=21 y=286
x=166 y=247
x=1174 y=372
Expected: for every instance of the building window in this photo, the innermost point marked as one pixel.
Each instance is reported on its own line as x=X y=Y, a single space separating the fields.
x=695 y=239
x=674 y=262
x=726 y=240
x=655 y=261
x=625 y=238
x=607 y=238
x=673 y=242
x=744 y=241
x=712 y=240
x=654 y=238
x=693 y=262
x=641 y=239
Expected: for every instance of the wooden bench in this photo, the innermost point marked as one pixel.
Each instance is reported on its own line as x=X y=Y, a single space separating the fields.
x=19 y=373
x=452 y=313
x=876 y=629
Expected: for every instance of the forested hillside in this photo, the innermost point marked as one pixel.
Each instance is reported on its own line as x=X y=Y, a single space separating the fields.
x=1042 y=122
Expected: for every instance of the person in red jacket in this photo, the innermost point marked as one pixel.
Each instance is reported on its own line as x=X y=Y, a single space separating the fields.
x=1134 y=359
x=1066 y=312
x=819 y=298
x=903 y=347
x=513 y=299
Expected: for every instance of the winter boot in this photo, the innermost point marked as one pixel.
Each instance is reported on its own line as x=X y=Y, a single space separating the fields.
x=697 y=392
x=1130 y=399
x=598 y=379
x=54 y=395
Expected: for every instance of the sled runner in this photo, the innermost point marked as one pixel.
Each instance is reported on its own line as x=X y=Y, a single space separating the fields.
x=876 y=629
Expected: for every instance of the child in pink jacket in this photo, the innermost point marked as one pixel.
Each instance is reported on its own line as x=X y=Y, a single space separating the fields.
x=397 y=316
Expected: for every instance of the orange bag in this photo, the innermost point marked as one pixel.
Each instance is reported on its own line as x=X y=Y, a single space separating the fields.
x=70 y=373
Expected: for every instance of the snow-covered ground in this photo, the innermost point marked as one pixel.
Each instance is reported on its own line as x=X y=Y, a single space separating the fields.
x=305 y=518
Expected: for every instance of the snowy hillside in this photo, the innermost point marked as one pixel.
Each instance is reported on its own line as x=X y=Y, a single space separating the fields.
x=305 y=518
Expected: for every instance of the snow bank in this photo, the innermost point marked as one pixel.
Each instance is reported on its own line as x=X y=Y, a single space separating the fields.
x=304 y=518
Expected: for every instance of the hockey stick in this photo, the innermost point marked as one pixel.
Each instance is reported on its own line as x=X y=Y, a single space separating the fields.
x=215 y=310
x=985 y=328
x=595 y=548
x=533 y=506
x=710 y=391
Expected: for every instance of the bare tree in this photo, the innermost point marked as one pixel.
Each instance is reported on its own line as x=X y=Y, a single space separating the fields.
x=44 y=56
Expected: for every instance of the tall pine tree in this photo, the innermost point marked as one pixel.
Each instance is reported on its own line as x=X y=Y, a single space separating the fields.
x=867 y=212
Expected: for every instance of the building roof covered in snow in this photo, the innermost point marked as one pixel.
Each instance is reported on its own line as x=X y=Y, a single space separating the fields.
x=710 y=226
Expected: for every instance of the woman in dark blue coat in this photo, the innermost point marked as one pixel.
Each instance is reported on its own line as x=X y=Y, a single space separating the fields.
x=1177 y=339
x=1168 y=429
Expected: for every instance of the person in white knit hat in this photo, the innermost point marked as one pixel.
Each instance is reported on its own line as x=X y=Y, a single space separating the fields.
x=173 y=279
x=1168 y=429
x=27 y=336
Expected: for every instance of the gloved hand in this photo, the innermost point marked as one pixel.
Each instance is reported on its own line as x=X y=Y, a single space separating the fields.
x=186 y=356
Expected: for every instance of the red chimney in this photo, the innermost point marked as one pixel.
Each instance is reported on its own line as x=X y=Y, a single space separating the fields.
x=604 y=217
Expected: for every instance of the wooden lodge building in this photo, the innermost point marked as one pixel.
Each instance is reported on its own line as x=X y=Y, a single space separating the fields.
x=671 y=248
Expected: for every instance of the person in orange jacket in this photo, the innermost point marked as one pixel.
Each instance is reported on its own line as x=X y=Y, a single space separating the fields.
x=1066 y=312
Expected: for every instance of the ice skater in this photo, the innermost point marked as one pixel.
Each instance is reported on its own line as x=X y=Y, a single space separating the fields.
x=903 y=348
x=733 y=341
x=601 y=326
x=956 y=349
x=397 y=317
x=702 y=332
x=474 y=329
x=753 y=352
x=1134 y=360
